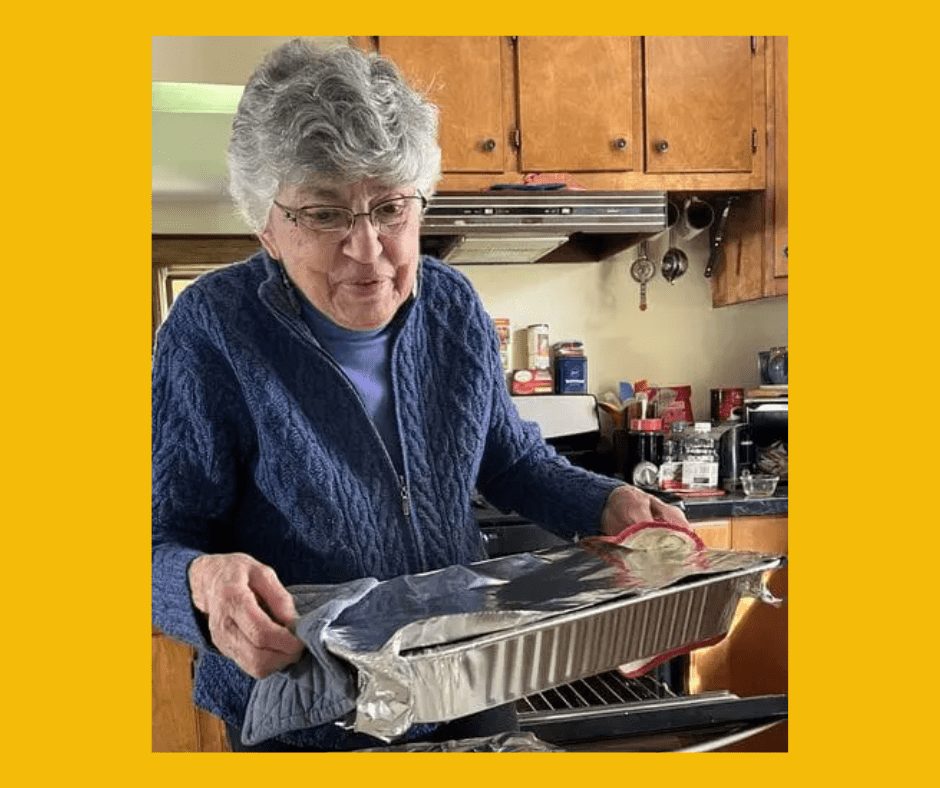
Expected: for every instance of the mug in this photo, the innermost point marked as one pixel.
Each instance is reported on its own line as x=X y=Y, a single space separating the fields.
x=727 y=405
x=697 y=216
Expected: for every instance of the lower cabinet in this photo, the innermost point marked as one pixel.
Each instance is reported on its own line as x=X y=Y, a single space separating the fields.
x=752 y=658
x=177 y=724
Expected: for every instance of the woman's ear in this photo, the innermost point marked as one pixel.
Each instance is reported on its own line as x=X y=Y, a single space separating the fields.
x=268 y=241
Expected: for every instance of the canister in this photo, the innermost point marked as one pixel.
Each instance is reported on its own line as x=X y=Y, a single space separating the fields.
x=727 y=405
x=571 y=374
x=538 y=346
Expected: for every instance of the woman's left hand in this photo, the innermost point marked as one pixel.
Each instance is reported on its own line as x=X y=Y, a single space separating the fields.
x=628 y=505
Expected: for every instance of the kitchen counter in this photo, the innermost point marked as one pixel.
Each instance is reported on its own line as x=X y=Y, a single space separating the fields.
x=735 y=504
x=510 y=533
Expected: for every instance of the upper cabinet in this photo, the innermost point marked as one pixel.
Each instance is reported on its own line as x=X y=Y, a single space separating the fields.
x=701 y=113
x=674 y=113
x=579 y=104
x=692 y=114
x=464 y=76
x=754 y=261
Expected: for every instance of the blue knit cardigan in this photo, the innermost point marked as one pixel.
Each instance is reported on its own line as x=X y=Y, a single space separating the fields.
x=262 y=445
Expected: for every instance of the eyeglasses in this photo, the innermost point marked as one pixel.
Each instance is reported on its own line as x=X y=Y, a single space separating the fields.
x=389 y=217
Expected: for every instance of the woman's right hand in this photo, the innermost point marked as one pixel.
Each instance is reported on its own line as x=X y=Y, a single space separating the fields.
x=251 y=615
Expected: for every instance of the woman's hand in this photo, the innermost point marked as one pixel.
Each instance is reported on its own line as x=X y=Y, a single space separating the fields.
x=628 y=505
x=251 y=615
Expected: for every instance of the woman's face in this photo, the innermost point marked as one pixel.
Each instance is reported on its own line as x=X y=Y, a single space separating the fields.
x=358 y=281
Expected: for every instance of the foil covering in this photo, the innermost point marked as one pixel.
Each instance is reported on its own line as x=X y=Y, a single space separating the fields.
x=501 y=742
x=445 y=644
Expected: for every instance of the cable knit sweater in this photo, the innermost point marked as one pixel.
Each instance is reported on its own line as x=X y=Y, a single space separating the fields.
x=262 y=445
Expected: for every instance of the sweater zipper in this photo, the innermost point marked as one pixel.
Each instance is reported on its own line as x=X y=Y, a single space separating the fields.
x=405 y=499
x=404 y=492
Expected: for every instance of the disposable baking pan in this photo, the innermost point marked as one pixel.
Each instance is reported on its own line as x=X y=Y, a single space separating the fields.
x=462 y=678
x=469 y=674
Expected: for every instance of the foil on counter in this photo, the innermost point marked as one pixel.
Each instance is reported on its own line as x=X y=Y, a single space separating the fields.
x=442 y=645
x=501 y=742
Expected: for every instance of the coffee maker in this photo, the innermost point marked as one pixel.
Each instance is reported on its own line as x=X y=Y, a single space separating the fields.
x=736 y=453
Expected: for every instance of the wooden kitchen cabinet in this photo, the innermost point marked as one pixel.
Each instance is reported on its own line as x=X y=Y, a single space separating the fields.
x=778 y=192
x=467 y=78
x=177 y=725
x=753 y=263
x=579 y=103
x=711 y=666
x=518 y=105
x=752 y=658
x=714 y=533
x=704 y=103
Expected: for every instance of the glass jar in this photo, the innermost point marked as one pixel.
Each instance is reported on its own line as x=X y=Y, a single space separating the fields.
x=700 y=457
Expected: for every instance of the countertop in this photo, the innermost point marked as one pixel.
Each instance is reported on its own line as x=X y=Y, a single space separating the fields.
x=735 y=504
x=505 y=534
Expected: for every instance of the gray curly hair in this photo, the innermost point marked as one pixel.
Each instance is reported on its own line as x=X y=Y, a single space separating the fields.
x=336 y=115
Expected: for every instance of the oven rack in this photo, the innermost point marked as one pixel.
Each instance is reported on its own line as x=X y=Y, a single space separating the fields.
x=609 y=688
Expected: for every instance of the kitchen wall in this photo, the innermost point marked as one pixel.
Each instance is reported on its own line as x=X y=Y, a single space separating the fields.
x=679 y=339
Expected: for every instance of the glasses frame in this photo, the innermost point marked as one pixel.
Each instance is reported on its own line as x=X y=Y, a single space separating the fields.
x=294 y=215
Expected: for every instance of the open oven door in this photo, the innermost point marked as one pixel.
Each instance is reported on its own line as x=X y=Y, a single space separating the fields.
x=610 y=713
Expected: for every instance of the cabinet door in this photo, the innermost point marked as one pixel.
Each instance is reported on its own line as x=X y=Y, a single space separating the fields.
x=758 y=641
x=462 y=75
x=710 y=668
x=177 y=725
x=753 y=261
x=578 y=103
x=699 y=104
x=759 y=645
x=716 y=534
x=780 y=183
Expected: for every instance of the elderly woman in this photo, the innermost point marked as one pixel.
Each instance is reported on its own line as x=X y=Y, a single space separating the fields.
x=324 y=410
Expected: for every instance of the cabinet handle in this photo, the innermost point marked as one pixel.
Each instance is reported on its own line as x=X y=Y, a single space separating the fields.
x=620 y=143
x=489 y=145
x=662 y=146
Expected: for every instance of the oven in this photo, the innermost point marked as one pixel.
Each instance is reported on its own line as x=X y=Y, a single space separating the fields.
x=609 y=712
x=612 y=713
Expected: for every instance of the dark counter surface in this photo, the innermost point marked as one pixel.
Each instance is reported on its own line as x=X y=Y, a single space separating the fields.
x=735 y=504
x=509 y=533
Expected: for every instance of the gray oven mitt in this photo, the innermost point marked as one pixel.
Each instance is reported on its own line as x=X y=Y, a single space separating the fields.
x=319 y=687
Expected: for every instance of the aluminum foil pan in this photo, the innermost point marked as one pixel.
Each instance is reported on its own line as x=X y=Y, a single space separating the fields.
x=439 y=646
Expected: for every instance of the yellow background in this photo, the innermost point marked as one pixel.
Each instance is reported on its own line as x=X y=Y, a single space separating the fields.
x=76 y=396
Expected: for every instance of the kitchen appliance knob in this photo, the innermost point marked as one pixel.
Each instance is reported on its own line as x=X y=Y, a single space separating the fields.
x=662 y=146
x=489 y=145
x=620 y=143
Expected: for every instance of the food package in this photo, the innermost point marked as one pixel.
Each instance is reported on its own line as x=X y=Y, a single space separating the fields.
x=532 y=381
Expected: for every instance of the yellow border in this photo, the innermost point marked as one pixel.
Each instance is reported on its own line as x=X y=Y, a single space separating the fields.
x=75 y=395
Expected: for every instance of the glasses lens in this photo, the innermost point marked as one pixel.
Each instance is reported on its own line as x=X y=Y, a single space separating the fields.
x=392 y=216
x=326 y=219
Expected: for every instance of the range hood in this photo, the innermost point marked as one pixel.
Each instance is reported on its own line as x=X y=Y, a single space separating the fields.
x=508 y=226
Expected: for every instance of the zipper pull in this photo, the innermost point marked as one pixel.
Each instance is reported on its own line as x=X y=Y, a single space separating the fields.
x=405 y=497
